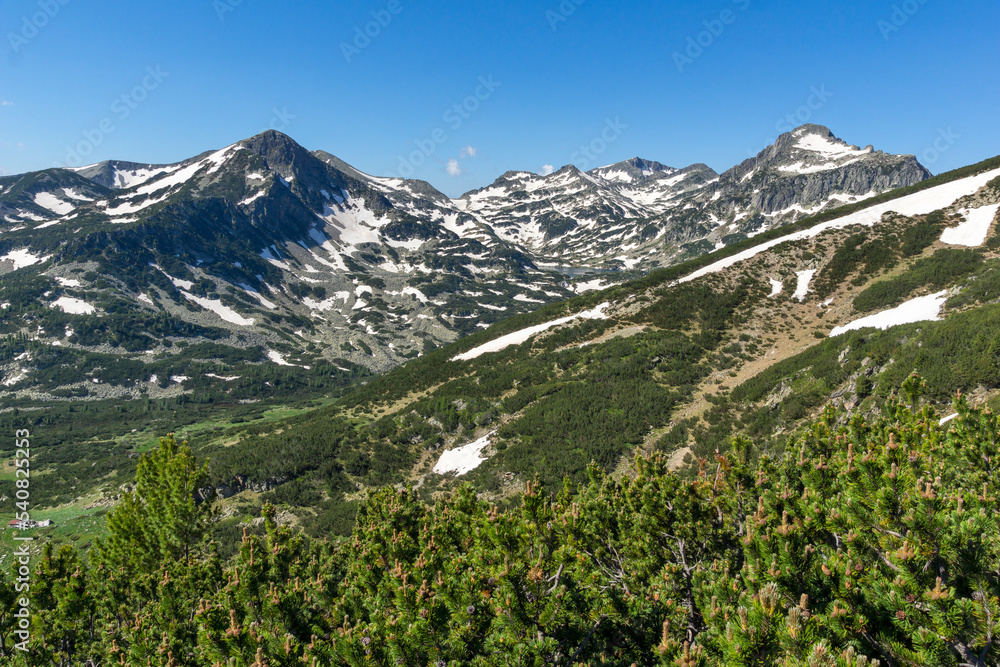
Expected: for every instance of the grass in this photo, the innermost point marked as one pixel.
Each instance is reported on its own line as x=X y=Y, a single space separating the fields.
x=74 y=523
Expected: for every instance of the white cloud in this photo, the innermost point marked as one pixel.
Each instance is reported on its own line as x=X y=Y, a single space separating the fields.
x=547 y=169
x=469 y=151
x=453 y=168
x=5 y=103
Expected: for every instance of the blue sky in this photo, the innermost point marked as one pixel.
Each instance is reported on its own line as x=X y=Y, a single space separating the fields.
x=457 y=92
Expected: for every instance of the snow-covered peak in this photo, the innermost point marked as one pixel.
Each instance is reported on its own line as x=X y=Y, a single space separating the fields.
x=631 y=171
x=812 y=149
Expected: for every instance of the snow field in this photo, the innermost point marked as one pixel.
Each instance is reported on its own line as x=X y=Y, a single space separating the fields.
x=22 y=258
x=521 y=336
x=73 y=306
x=921 y=309
x=217 y=307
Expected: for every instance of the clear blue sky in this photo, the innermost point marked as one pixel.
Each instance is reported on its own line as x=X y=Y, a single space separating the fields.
x=894 y=74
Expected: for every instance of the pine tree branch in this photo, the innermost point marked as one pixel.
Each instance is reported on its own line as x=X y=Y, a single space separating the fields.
x=586 y=641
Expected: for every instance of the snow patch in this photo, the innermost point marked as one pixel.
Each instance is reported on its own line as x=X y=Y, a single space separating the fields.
x=802 y=287
x=22 y=258
x=254 y=197
x=416 y=293
x=132 y=207
x=178 y=282
x=278 y=358
x=11 y=381
x=49 y=201
x=127 y=179
x=829 y=148
x=521 y=336
x=463 y=459
x=776 y=287
x=67 y=282
x=73 y=194
x=411 y=245
x=590 y=285
x=221 y=377
x=217 y=307
x=921 y=309
x=328 y=304
x=250 y=291
x=973 y=231
x=73 y=306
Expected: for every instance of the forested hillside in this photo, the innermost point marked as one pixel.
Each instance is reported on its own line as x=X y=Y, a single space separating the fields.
x=872 y=540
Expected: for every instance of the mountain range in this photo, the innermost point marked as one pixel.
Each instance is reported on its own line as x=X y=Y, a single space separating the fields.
x=130 y=280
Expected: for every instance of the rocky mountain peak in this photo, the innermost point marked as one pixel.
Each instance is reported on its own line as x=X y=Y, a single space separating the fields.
x=633 y=170
x=280 y=151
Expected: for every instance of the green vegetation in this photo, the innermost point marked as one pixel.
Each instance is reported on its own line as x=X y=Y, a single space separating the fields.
x=939 y=270
x=958 y=353
x=872 y=540
x=870 y=252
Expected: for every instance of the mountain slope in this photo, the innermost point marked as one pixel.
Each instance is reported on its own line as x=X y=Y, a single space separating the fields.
x=677 y=361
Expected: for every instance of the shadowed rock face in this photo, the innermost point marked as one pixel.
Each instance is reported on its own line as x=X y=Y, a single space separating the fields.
x=267 y=247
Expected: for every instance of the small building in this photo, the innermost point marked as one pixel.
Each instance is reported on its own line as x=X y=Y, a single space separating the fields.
x=31 y=523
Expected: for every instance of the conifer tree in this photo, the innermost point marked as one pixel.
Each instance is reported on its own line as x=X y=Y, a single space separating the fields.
x=161 y=520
